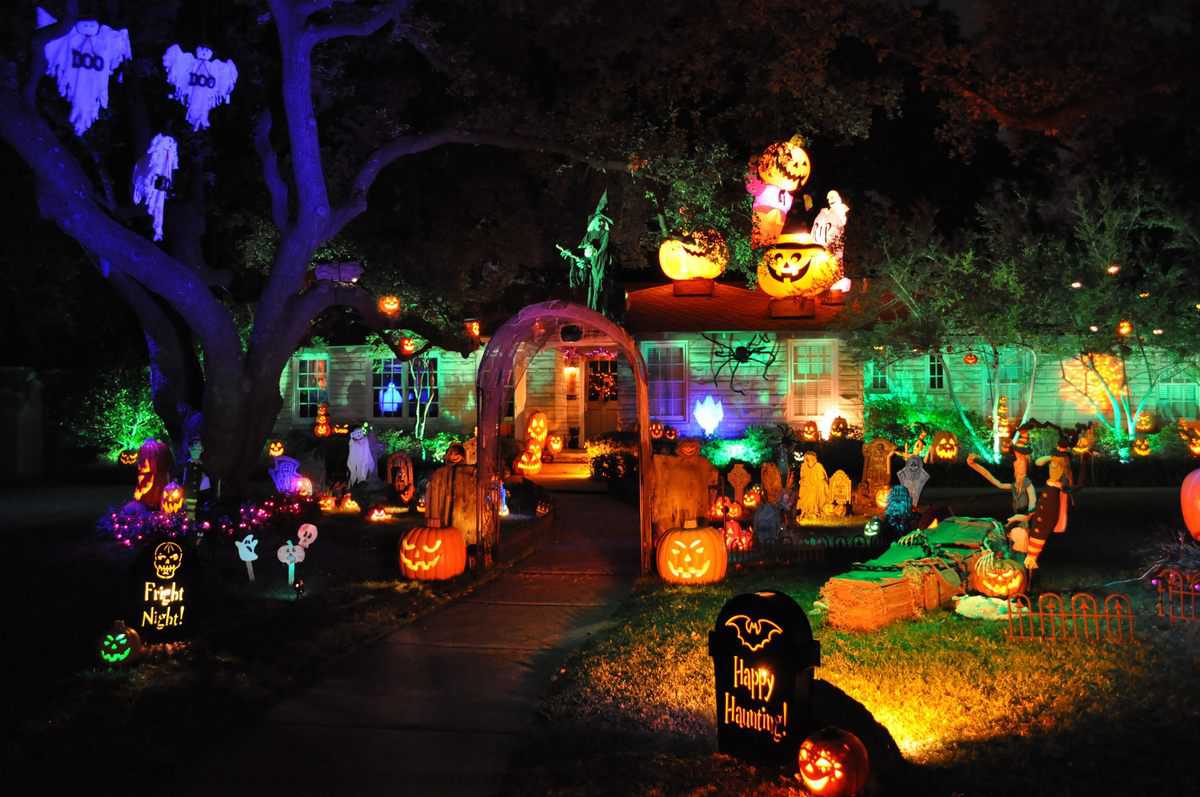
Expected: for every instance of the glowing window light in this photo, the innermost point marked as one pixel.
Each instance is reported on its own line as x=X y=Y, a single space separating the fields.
x=708 y=414
x=389 y=398
x=1157 y=331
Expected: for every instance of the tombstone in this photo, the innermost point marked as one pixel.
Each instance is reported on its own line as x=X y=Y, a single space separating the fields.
x=739 y=479
x=164 y=580
x=772 y=482
x=284 y=471
x=877 y=474
x=840 y=493
x=763 y=655
x=768 y=521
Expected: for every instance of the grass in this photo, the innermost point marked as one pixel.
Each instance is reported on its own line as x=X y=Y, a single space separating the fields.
x=971 y=712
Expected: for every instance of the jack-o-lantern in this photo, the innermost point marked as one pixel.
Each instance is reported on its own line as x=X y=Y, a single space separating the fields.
x=472 y=327
x=656 y=430
x=670 y=433
x=688 y=448
x=530 y=461
x=970 y=358
x=839 y=428
x=421 y=504
x=1124 y=328
x=543 y=508
x=349 y=505
x=554 y=443
x=810 y=432
x=752 y=497
x=997 y=576
x=321 y=427
x=433 y=552
x=327 y=503
x=389 y=304
x=128 y=456
x=408 y=346
x=881 y=497
x=796 y=265
x=153 y=470
x=723 y=508
x=1145 y=422
x=172 y=498
x=275 y=448
x=1083 y=443
x=1192 y=440
x=699 y=254
x=537 y=429
x=832 y=763
x=1189 y=503
x=738 y=538
x=456 y=454
x=341 y=428
x=692 y=555
x=945 y=447
x=1141 y=447
x=378 y=514
x=400 y=476
x=120 y=645
x=785 y=164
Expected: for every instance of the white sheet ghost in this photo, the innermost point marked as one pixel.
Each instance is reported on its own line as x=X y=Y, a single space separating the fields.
x=82 y=60
x=200 y=82
x=360 y=461
x=152 y=178
x=829 y=228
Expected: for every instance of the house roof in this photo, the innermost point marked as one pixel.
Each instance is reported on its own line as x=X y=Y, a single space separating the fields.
x=728 y=309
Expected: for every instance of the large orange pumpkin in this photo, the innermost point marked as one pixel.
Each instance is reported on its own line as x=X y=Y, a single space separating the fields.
x=530 y=461
x=796 y=265
x=997 y=576
x=433 y=552
x=692 y=555
x=1189 y=502
x=537 y=429
x=701 y=254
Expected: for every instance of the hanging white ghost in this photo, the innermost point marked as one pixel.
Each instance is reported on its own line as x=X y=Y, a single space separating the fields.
x=152 y=179
x=200 y=82
x=82 y=60
x=360 y=461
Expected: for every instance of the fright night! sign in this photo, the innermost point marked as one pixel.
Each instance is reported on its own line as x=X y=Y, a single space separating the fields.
x=164 y=593
x=763 y=656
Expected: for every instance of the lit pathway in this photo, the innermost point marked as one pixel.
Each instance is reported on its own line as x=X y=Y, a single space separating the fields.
x=438 y=707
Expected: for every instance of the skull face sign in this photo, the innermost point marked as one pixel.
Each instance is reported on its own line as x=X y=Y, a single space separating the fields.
x=168 y=557
x=797 y=266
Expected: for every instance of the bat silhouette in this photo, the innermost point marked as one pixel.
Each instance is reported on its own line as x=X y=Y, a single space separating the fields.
x=754 y=634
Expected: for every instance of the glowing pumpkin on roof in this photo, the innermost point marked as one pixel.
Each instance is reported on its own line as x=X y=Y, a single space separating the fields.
x=692 y=555
x=699 y=254
x=785 y=164
x=797 y=266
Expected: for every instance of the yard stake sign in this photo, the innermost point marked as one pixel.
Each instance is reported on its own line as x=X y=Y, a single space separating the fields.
x=763 y=655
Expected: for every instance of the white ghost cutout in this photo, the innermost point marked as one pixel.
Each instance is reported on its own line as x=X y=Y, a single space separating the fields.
x=152 y=179
x=200 y=82
x=82 y=60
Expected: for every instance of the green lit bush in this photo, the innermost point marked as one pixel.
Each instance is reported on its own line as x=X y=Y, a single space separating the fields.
x=117 y=414
x=429 y=449
x=895 y=418
x=756 y=445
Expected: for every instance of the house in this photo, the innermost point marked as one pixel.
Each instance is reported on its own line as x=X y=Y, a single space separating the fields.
x=763 y=369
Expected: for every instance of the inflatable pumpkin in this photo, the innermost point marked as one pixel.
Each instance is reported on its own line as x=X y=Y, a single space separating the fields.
x=785 y=164
x=1189 y=503
x=797 y=266
x=699 y=254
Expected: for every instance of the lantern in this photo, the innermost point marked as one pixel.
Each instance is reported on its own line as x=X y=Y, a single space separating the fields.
x=472 y=328
x=408 y=346
x=785 y=164
x=700 y=254
x=997 y=576
x=1124 y=327
x=433 y=552
x=752 y=497
x=810 y=432
x=692 y=555
x=389 y=304
x=839 y=428
x=121 y=645
x=275 y=448
x=945 y=447
x=554 y=443
x=833 y=762
x=970 y=358
x=1189 y=503
x=321 y=427
x=172 y=498
x=797 y=266
x=128 y=457
x=656 y=430
x=1141 y=447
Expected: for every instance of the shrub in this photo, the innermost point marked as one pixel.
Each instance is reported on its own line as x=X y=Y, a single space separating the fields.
x=756 y=445
x=117 y=414
x=894 y=418
x=429 y=449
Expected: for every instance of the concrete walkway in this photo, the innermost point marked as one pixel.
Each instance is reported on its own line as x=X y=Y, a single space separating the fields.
x=438 y=707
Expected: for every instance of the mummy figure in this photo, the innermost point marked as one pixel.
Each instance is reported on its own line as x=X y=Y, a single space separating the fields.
x=82 y=61
x=152 y=179
x=200 y=82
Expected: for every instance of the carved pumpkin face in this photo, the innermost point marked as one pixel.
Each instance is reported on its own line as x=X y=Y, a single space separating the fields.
x=349 y=505
x=998 y=577
x=389 y=304
x=692 y=556
x=433 y=553
x=377 y=515
x=1145 y=422
x=1124 y=328
x=945 y=447
x=752 y=497
x=321 y=427
x=738 y=538
x=167 y=559
x=970 y=358
x=688 y=448
x=881 y=497
x=121 y=645
x=656 y=430
x=154 y=463
x=327 y=503
x=700 y=254
x=408 y=346
x=809 y=432
x=1141 y=447
x=537 y=428
x=530 y=461
x=833 y=762
x=795 y=265
x=543 y=508
x=172 y=498
x=785 y=164
x=554 y=443
x=275 y=448
x=839 y=428
x=128 y=457
x=723 y=508
x=670 y=433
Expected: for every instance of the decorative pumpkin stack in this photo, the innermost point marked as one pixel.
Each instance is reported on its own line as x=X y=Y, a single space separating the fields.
x=433 y=553
x=530 y=461
x=692 y=555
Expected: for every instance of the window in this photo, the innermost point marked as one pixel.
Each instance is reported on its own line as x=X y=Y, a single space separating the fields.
x=812 y=378
x=421 y=388
x=1177 y=400
x=312 y=385
x=387 y=388
x=666 y=366
x=937 y=373
x=877 y=378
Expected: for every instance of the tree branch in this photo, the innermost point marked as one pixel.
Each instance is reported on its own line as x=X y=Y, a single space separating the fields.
x=404 y=146
x=388 y=12
x=276 y=186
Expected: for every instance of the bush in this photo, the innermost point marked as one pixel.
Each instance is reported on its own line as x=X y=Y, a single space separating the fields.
x=117 y=414
x=757 y=445
x=429 y=449
x=894 y=418
x=611 y=443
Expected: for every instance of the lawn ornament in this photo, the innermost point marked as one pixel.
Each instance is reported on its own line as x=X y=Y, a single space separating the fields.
x=829 y=227
x=283 y=472
x=82 y=60
x=306 y=535
x=656 y=430
x=759 y=351
x=201 y=82
x=172 y=498
x=290 y=555
x=152 y=176
x=154 y=465
x=321 y=427
x=813 y=491
x=997 y=576
x=120 y=646
x=841 y=490
x=1189 y=503
x=679 y=486
x=691 y=555
x=247 y=553
x=360 y=461
x=833 y=763
x=1050 y=514
x=699 y=254
x=433 y=552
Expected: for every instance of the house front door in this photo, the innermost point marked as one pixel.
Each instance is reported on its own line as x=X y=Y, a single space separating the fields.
x=600 y=411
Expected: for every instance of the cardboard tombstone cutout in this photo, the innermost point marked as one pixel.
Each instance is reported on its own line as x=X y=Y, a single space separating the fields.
x=284 y=471
x=738 y=478
x=679 y=486
x=813 y=492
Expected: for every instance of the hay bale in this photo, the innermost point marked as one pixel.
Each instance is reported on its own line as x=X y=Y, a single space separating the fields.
x=867 y=602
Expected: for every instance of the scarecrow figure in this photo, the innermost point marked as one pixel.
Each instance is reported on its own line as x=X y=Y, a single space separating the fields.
x=680 y=486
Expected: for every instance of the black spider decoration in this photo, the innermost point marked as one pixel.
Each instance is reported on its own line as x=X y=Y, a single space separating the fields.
x=759 y=351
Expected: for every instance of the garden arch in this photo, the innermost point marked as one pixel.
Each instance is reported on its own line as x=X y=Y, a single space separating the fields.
x=521 y=337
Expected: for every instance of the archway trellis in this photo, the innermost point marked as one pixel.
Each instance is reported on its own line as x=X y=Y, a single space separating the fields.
x=512 y=347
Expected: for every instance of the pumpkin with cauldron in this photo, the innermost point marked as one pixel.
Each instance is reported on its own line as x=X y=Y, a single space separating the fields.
x=945 y=447
x=833 y=763
x=692 y=555
x=797 y=266
x=433 y=553
x=1189 y=503
x=698 y=254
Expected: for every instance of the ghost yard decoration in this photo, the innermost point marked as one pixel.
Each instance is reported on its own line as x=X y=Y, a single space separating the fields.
x=360 y=461
x=200 y=81
x=152 y=176
x=81 y=61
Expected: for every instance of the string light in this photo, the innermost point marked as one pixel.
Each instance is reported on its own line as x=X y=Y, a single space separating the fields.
x=1076 y=284
x=1114 y=269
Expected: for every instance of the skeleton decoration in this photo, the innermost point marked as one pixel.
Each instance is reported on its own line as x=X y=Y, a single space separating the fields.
x=152 y=179
x=82 y=60
x=758 y=351
x=200 y=82
x=306 y=535
x=360 y=461
x=829 y=228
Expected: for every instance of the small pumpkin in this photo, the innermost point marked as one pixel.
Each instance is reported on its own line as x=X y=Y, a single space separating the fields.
x=433 y=553
x=275 y=448
x=945 y=447
x=656 y=430
x=472 y=328
x=752 y=497
x=1145 y=422
x=997 y=576
x=723 y=508
x=1189 y=503
x=810 y=432
x=128 y=457
x=839 y=428
x=738 y=538
x=327 y=503
x=670 y=433
x=692 y=555
x=832 y=763
x=172 y=498
x=699 y=254
x=1141 y=447
x=408 y=346
x=554 y=443
x=970 y=358
x=688 y=448
x=120 y=645
x=378 y=514
x=389 y=304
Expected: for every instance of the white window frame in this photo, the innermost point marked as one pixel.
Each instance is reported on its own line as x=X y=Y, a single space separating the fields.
x=651 y=381
x=930 y=362
x=826 y=401
x=870 y=371
x=1172 y=383
x=300 y=361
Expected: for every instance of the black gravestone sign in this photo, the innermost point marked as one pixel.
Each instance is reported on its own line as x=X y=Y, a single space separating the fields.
x=763 y=655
